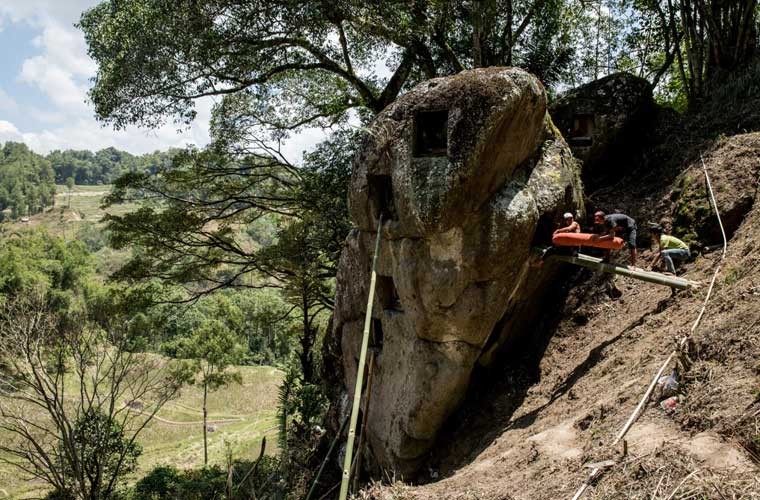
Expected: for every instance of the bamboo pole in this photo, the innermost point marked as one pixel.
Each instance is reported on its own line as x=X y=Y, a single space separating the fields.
x=360 y=371
x=639 y=274
x=365 y=414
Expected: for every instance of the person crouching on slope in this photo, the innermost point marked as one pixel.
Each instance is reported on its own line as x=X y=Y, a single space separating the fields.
x=669 y=248
x=617 y=223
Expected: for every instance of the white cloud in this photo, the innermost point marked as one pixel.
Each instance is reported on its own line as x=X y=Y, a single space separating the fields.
x=55 y=81
x=66 y=48
x=33 y=11
x=45 y=116
x=61 y=70
x=7 y=103
x=305 y=140
x=9 y=132
x=86 y=133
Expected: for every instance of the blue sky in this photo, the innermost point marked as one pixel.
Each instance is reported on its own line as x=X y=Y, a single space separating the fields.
x=44 y=78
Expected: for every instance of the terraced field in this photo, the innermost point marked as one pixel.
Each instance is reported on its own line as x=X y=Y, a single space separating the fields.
x=241 y=415
x=86 y=201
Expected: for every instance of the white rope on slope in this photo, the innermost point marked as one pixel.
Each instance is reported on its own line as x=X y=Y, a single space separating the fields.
x=639 y=408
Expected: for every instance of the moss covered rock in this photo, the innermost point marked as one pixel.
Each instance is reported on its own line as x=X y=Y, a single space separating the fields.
x=604 y=120
x=468 y=172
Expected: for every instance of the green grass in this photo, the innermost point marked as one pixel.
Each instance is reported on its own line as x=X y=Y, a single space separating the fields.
x=178 y=439
x=86 y=201
x=61 y=189
x=86 y=204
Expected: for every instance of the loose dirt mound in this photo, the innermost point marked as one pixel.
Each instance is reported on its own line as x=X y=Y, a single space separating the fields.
x=532 y=426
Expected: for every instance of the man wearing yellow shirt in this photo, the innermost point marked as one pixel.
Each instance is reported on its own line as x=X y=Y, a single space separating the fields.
x=669 y=248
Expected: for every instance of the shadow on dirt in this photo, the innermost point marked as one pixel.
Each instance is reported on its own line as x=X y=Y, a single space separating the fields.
x=496 y=394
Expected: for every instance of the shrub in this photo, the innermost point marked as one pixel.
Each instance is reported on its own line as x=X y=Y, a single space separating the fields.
x=209 y=483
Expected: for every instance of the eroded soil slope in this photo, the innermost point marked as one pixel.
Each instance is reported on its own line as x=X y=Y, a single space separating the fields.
x=528 y=430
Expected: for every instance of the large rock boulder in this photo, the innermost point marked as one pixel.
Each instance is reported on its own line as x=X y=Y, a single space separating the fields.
x=603 y=122
x=468 y=171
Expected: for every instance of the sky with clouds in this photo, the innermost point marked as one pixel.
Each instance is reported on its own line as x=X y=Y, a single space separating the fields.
x=44 y=77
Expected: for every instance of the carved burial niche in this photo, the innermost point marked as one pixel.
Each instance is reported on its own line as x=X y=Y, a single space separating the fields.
x=583 y=130
x=431 y=133
x=381 y=196
x=387 y=294
x=377 y=334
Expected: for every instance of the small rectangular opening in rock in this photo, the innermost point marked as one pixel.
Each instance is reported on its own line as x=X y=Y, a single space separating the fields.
x=377 y=333
x=583 y=130
x=431 y=133
x=381 y=196
x=387 y=294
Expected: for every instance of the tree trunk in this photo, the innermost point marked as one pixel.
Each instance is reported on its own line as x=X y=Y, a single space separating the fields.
x=477 y=35
x=509 y=33
x=205 y=415
x=307 y=342
x=719 y=38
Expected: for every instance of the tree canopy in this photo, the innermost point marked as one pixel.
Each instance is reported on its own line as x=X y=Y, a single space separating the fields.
x=291 y=62
x=103 y=166
x=26 y=181
x=37 y=262
x=279 y=66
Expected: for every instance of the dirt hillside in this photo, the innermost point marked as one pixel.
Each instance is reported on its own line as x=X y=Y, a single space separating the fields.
x=530 y=426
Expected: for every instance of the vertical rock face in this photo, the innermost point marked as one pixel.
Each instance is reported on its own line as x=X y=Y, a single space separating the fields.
x=467 y=171
x=604 y=121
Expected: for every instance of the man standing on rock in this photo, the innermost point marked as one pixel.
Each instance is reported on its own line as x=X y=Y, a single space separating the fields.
x=614 y=224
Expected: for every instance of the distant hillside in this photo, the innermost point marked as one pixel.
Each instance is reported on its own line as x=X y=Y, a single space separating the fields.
x=86 y=201
x=104 y=166
x=28 y=180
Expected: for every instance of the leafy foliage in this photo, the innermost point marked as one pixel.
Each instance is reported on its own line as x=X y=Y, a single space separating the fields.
x=212 y=347
x=37 y=262
x=686 y=49
x=300 y=402
x=209 y=483
x=26 y=181
x=192 y=234
x=281 y=64
x=102 y=167
x=67 y=388
x=104 y=448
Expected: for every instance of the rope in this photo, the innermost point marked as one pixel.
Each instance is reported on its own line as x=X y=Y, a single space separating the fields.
x=639 y=408
x=327 y=457
x=360 y=370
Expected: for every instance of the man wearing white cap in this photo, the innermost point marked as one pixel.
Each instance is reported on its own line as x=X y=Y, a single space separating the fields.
x=571 y=226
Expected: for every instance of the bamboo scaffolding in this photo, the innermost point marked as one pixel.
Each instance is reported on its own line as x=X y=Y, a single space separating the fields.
x=639 y=274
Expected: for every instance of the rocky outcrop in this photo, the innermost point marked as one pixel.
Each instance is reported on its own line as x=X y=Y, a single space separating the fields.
x=468 y=171
x=603 y=122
